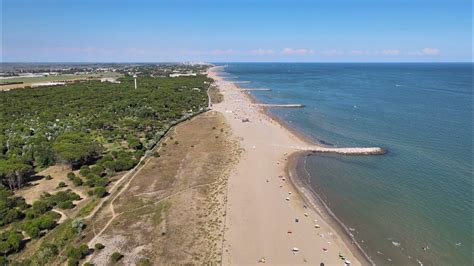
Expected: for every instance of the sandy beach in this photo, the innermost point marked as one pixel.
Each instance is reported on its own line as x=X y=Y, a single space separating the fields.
x=268 y=221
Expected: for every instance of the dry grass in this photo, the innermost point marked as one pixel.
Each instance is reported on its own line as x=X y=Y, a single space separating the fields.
x=173 y=210
x=215 y=94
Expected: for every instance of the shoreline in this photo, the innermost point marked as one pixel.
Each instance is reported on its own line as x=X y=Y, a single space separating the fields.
x=296 y=182
x=315 y=201
x=305 y=191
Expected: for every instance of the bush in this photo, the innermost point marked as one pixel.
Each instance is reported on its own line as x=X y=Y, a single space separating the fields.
x=101 y=182
x=144 y=262
x=59 y=197
x=77 y=225
x=90 y=192
x=97 y=169
x=75 y=254
x=66 y=205
x=10 y=241
x=48 y=177
x=100 y=192
x=71 y=175
x=61 y=185
x=72 y=262
x=41 y=207
x=33 y=231
x=47 y=221
x=99 y=246
x=45 y=253
x=116 y=256
x=77 y=181
x=85 y=170
x=10 y=216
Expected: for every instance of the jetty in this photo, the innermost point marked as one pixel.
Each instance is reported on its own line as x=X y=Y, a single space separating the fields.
x=337 y=150
x=345 y=151
x=296 y=105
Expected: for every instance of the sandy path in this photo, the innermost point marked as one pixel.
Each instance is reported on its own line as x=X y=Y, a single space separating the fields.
x=259 y=217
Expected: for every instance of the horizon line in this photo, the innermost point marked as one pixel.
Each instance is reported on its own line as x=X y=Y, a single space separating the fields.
x=221 y=62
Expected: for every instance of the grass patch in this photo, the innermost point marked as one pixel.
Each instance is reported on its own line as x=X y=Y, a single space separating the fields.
x=160 y=209
x=88 y=208
x=215 y=94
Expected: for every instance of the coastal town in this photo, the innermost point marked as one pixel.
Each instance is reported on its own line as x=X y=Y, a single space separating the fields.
x=38 y=75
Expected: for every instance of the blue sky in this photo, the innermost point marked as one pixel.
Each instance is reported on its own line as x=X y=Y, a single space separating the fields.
x=233 y=30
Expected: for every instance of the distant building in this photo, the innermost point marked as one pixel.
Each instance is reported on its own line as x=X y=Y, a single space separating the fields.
x=50 y=83
x=111 y=80
x=175 y=75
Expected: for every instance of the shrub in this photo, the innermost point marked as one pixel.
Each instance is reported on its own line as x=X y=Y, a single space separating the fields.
x=116 y=256
x=60 y=196
x=45 y=253
x=73 y=196
x=10 y=241
x=101 y=182
x=99 y=246
x=72 y=262
x=66 y=205
x=144 y=262
x=41 y=206
x=85 y=170
x=90 y=183
x=46 y=222
x=10 y=216
x=76 y=254
x=61 y=185
x=100 y=192
x=77 y=225
x=48 y=177
x=77 y=181
x=33 y=231
x=97 y=169
x=71 y=176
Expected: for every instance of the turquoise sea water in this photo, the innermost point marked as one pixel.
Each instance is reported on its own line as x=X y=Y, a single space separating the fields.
x=420 y=194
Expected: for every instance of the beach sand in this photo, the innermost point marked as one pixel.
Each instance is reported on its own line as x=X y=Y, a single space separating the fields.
x=263 y=204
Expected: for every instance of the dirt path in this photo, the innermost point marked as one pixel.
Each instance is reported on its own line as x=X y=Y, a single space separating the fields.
x=63 y=216
x=135 y=170
x=171 y=211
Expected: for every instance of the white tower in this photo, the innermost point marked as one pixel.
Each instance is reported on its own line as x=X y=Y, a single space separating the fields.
x=135 y=78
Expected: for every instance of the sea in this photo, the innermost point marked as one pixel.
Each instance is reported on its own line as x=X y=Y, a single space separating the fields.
x=411 y=206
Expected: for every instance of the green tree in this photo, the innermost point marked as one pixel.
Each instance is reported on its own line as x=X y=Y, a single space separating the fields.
x=13 y=172
x=75 y=148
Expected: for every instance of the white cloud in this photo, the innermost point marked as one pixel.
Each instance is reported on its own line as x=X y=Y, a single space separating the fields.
x=228 y=51
x=135 y=51
x=359 y=52
x=391 y=52
x=332 y=52
x=261 y=51
x=291 y=51
x=429 y=51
